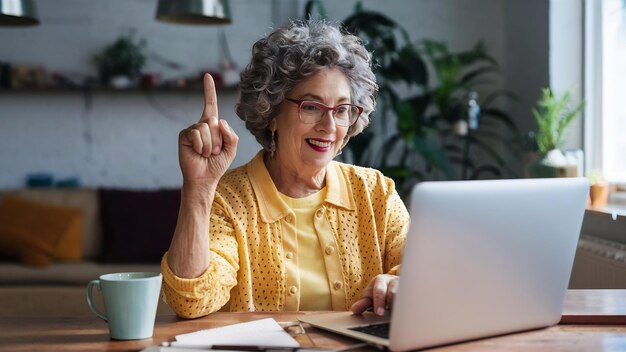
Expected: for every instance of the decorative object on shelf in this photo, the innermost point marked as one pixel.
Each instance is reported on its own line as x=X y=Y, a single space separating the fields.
x=553 y=116
x=150 y=80
x=120 y=81
x=46 y=180
x=120 y=63
x=26 y=77
x=18 y=13
x=39 y=180
x=194 y=11
x=599 y=190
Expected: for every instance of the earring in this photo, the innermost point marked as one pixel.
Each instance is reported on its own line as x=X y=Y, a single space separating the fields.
x=272 y=148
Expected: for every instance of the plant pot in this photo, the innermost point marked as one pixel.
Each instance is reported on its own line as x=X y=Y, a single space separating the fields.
x=599 y=194
x=537 y=169
x=551 y=164
x=120 y=81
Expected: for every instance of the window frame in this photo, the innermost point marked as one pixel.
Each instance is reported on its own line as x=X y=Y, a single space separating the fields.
x=594 y=86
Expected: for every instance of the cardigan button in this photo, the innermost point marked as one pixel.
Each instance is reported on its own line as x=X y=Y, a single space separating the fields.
x=329 y=250
x=289 y=218
x=319 y=213
x=289 y=255
x=293 y=290
x=337 y=285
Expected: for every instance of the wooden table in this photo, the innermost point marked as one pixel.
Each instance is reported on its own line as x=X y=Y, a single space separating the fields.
x=594 y=320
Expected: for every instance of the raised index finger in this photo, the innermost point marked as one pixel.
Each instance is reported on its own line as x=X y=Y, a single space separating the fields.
x=210 y=100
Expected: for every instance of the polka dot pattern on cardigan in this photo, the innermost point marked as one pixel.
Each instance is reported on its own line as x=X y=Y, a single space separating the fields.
x=368 y=221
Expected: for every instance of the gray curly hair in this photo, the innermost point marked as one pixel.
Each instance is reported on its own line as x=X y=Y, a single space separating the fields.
x=291 y=54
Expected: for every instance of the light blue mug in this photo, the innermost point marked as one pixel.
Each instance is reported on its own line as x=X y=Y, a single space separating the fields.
x=130 y=302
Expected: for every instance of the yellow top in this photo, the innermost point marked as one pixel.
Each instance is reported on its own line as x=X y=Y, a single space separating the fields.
x=363 y=225
x=309 y=261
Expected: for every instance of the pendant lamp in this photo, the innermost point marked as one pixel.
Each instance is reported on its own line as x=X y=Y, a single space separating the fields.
x=193 y=11
x=18 y=13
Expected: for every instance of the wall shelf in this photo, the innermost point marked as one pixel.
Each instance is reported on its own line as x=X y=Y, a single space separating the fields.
x=107 y=90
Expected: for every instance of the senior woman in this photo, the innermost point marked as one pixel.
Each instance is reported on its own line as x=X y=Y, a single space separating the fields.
x=292 y=229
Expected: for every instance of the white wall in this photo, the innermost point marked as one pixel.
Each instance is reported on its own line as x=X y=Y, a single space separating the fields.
x=566 y=59
x=122 y=139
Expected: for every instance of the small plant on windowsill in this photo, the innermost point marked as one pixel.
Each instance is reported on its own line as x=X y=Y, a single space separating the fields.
x=120 y=63
x=599 y=190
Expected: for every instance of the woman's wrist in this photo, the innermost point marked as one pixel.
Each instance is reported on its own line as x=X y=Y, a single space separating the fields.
x=198 y=193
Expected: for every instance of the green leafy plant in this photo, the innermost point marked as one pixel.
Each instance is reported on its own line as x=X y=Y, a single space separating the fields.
x=423 y=144
x=553 y=115
x=595 y=177
x=123 y=57
x=446 y=103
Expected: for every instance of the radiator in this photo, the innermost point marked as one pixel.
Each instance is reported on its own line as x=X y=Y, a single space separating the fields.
x=599 y=263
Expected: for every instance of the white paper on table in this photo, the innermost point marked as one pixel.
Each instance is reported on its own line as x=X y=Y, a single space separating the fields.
x=263 y=332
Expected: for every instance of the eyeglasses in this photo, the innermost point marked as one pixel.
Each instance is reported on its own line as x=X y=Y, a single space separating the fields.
x=312 y=112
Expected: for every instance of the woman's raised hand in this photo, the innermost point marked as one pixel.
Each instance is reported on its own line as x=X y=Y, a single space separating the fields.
x=207 y=148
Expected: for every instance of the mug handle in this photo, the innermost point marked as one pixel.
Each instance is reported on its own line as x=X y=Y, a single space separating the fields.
x=90 y=302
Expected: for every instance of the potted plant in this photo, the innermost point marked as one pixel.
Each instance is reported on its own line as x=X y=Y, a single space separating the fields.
x=599 y=189
x=422 y=144
x=553 y=115
x=120 y=63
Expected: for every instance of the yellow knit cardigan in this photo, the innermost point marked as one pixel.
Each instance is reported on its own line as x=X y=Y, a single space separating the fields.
x=364 y=225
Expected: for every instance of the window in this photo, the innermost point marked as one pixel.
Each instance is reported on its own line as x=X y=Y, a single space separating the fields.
x=605 y=88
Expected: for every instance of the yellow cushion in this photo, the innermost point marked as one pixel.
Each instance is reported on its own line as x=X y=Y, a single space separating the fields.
x=70 y=245
x=36 y=233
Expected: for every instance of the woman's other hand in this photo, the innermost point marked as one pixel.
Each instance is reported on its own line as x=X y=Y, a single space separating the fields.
x=207 y=148
x=378 y=294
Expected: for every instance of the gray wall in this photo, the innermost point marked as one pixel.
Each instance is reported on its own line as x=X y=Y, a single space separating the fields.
x=115 y=139
x=526 y=66
x=128 y=139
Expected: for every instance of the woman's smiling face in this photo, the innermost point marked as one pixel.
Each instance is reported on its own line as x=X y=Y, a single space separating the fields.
x=311 y=146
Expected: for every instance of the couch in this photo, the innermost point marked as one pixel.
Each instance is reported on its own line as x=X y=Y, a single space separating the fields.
x=53 y=241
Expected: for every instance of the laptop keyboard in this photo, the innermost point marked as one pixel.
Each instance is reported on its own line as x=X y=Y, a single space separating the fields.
x=379 y=330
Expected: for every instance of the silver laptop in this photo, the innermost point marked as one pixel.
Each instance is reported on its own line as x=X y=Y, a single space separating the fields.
x=482 y=258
